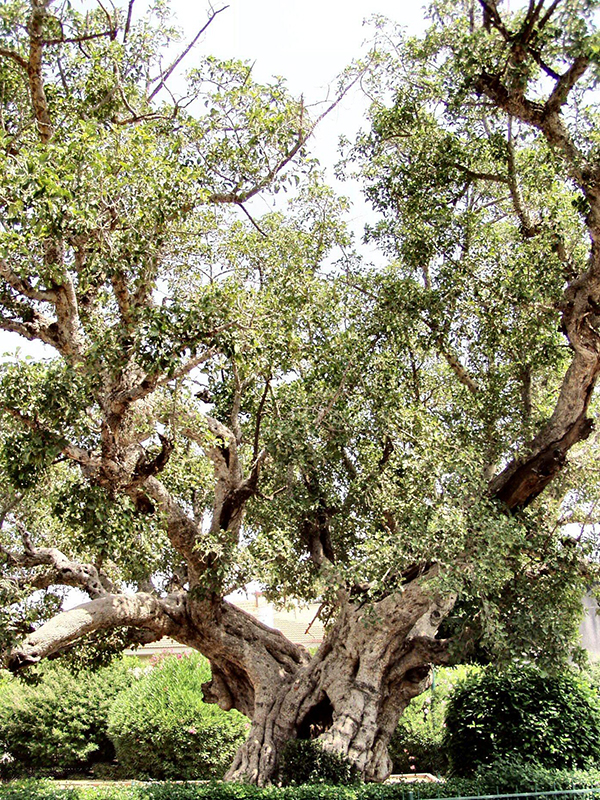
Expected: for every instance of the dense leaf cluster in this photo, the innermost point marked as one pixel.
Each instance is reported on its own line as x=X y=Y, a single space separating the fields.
x=523 y=715
x=126 y=719
x=59 y=724
x=161 y=729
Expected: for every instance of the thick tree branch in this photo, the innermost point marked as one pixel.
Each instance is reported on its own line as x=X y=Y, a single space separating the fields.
x=83 y=457
x=67 y=315
x=163 y=617
x=128 y=20
x=34 y=71
x=18 y=59
x=64 y=571
x=32 y=325
x=231 y=490
x=527 y=227
x=259 y=417
x=540 y=460
x=24 y=287
x=460 y=372
x=544 y=117
x=529 y=474
x=546 y=18
x=565 y=84
x=84 y=37
x=182 y=531
x=481 y=176
x=491 y=17
x=150 y=383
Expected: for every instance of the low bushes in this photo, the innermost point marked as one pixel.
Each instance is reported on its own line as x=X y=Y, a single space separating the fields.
x=474 y=716
x=152 y=719
x=501 y=778
x=58 y=725
x=549 y=721
x=305 y=761
x=161 y=728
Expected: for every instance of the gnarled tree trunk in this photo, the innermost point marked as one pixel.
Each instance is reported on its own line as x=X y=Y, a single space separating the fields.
x=350 y=695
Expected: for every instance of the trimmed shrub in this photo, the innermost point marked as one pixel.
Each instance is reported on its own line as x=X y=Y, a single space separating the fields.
x=551 y=721
x=59 y=725
x=592 y=674
x=507 y=776
x=524 y=778
x=418 y=744
x=305 y=761
x=161 y=729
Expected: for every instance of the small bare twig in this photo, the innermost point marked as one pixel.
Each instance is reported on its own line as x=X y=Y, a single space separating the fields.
x=128 y=22
x=164 y=77
x=252 y=220
x=86 y=37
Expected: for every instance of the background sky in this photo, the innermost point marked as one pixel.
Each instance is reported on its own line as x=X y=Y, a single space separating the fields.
x=309 y=43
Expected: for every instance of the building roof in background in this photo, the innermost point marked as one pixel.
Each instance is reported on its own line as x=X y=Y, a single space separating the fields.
x=299 y=625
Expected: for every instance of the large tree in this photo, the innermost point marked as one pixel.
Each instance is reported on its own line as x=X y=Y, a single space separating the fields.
x=230 y=398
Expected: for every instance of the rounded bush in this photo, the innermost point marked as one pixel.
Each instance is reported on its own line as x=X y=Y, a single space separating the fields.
x=551 y=721
x=59 y=725
x=305 y=761
x=162 y=729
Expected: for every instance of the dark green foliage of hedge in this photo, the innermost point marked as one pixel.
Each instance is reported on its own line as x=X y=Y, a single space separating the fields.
x=508 y=777
x=304 y=761
x=550 y=721
x=59 y=724
x=500 y=778
x=161 y=729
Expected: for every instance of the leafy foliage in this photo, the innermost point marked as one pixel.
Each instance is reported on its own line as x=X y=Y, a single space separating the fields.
x=305 y=761
x=161 y=728
x=511 y=778
x=418 y=744
x=58 y=725
x=523 y=714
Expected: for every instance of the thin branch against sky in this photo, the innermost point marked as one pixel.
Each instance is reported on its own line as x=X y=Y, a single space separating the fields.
x=309 y=45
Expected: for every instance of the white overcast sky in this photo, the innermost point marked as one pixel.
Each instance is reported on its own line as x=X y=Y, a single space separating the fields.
x=308 y=43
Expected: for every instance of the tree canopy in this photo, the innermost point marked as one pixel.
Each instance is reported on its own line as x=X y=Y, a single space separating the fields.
x=234 y=398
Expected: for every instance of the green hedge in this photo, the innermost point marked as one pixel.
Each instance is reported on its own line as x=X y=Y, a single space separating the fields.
x=418 y=744
x=58 y=725
x=549 y=721
x=162 y=729
x=503 y=777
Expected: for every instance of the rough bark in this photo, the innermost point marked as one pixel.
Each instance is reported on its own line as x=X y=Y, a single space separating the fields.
x=351 y=694
x=164 y=617
x=527 y=475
